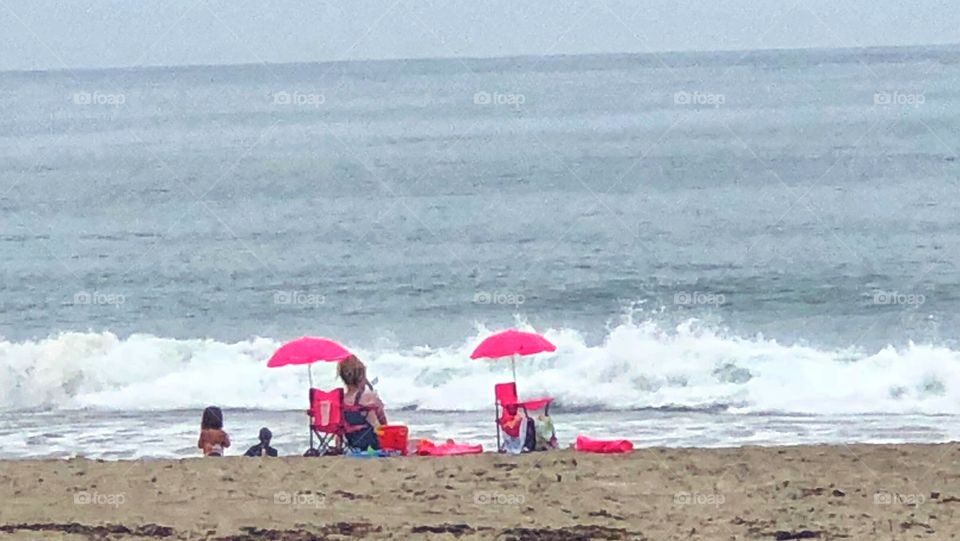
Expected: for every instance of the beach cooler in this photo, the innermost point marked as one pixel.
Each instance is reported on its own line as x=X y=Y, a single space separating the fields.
x=505 y=394
x=393 y=438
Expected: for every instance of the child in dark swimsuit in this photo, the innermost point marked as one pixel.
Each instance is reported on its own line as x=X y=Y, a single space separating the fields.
x=263 y=448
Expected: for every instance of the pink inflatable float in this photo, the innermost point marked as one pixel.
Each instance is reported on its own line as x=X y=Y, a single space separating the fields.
x=428 y=448
x=588 y=445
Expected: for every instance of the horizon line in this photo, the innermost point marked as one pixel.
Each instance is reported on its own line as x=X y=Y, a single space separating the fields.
x=673 y=52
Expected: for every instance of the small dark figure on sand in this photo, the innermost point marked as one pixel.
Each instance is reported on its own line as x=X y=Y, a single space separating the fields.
x=263 y=448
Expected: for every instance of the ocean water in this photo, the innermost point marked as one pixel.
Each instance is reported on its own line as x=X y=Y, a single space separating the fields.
x=727 y=248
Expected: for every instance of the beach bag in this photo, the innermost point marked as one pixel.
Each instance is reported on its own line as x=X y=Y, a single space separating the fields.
x=530 y=438
x=546 y=435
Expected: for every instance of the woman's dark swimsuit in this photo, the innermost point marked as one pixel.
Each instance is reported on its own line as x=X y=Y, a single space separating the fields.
x=360 y=433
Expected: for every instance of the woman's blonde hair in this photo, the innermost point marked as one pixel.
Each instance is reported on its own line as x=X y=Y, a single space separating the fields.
x=352 y=371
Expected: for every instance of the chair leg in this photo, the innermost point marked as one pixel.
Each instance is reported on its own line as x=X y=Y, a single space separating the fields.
x=496 y=423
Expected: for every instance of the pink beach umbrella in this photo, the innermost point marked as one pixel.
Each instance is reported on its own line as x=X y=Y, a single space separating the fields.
x=512 y=343
x=308 y=350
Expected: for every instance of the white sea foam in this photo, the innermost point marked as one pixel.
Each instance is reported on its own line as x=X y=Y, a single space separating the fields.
x=638 y=365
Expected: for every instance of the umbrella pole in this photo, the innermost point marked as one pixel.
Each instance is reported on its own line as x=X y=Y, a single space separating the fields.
x=310 y=378
x=513 y=365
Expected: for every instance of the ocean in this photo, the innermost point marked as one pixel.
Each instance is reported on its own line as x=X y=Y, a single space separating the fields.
x=727 y=248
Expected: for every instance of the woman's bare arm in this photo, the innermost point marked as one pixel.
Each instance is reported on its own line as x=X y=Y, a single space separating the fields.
x=375 y=414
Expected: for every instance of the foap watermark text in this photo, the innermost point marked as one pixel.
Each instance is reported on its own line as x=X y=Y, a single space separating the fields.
x=897 y=98
x=499 y=298
x=699 y=98
x=298 y=298
x=698 y=498
x=96 y=498
x=299 y=99
x=897 y=298
x=896 y=498
x=98 y=298
x=299 y=499
x=507 y=99
x=99 y=98
x=486 y=497
x=699 y=298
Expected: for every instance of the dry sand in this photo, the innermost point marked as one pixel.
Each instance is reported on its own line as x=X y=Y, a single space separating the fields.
x=820 y=492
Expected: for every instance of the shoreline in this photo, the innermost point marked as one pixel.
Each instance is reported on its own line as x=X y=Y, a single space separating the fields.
x=172 y=435
x=856 y=491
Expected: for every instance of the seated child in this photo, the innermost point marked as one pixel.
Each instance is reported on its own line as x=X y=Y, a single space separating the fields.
x=213 y=440
x=263 y=448
x=513 y=423
x=546 y=435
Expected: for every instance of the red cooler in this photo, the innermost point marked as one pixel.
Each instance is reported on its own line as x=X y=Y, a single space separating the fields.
x=393 y=438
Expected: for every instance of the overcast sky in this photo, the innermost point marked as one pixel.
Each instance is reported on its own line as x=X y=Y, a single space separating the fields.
x=52 y=34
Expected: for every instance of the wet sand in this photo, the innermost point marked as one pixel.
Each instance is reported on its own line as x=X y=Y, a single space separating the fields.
x=816 y=492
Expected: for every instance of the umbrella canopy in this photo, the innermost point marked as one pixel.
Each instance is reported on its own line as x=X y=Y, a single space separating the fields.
x=308 y=350
x=511 y=342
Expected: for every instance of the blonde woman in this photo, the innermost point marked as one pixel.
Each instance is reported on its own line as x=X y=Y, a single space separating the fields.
x=362 y=408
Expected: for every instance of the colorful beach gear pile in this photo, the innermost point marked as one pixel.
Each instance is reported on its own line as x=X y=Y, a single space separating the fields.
x=517 y=431
x=521 y=425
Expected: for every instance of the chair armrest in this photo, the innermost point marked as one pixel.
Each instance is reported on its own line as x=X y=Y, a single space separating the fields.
x=535 y=404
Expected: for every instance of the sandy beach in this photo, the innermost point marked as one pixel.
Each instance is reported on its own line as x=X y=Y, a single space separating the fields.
x=814 y=492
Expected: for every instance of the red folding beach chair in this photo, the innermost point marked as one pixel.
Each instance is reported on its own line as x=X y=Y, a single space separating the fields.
x=505 y=394
x=326 y=421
